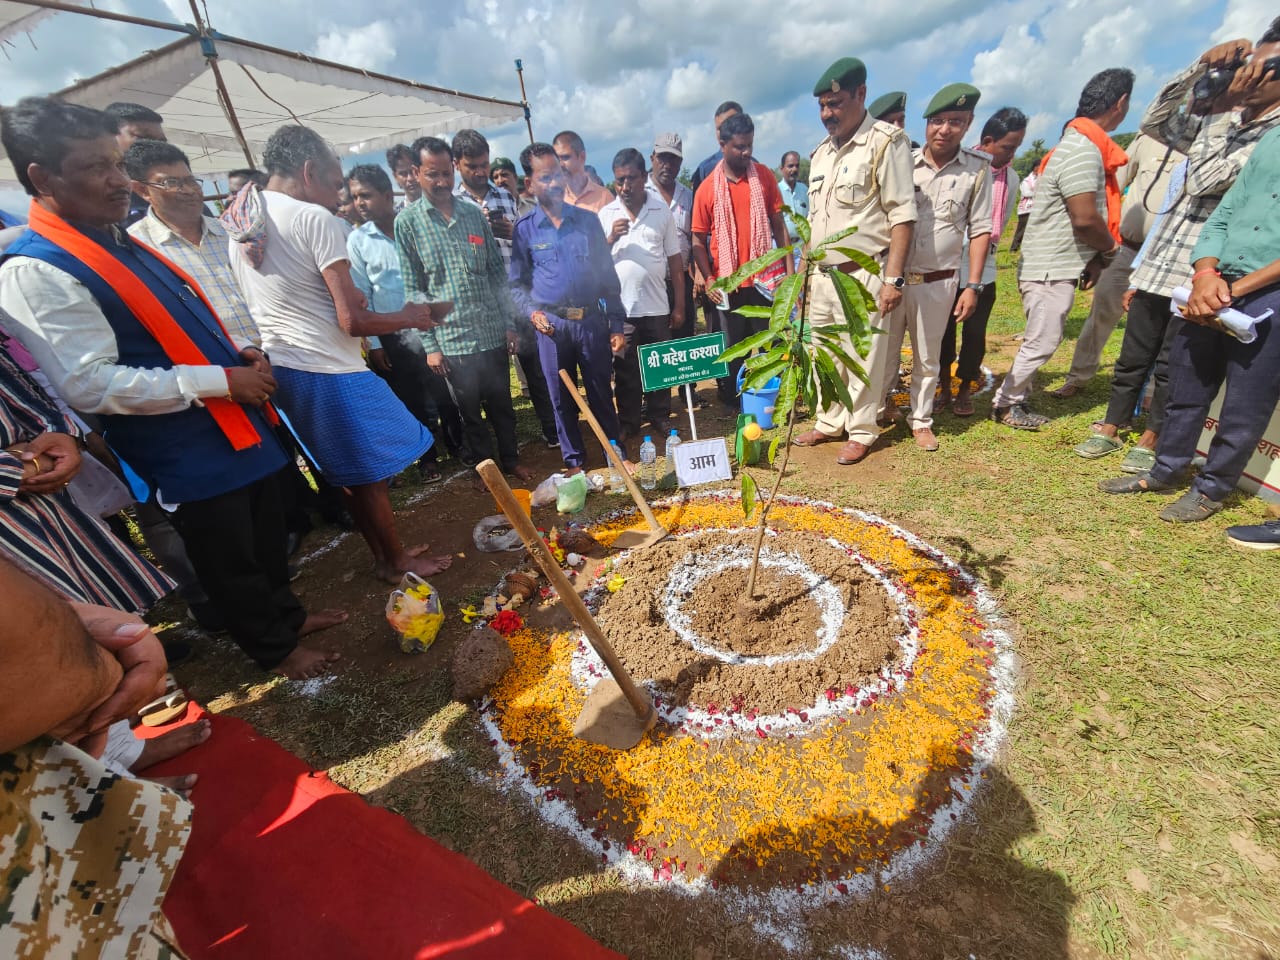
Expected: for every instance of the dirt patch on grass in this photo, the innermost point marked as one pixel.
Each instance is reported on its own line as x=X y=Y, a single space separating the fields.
x=824 y=623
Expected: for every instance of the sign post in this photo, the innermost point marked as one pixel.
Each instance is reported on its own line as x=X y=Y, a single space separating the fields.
x=674 y=363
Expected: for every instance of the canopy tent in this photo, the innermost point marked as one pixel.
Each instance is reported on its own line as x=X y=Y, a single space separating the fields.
x=358 y=111
x=16 y=18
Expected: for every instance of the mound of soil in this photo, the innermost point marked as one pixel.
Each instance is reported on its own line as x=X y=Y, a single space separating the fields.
x=732 y=672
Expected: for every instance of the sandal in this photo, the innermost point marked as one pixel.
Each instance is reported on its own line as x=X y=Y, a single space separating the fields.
x=164 y=709
x=1097 y=447
x=962 y=406
x=1138 y=460
x=1141 y=483
x=1018 y=416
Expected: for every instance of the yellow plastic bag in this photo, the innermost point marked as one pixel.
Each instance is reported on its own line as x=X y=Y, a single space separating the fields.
x=414 y=611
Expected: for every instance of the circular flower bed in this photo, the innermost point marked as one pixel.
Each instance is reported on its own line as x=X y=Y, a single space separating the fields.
x=823 y=736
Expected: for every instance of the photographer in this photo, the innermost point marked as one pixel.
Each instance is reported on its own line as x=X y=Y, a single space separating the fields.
x=1218 y=134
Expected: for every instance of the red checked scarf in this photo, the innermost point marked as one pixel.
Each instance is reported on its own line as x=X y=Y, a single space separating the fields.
x=724 y=228
x=1113 y=158
x=245 y=220
x=150 y=312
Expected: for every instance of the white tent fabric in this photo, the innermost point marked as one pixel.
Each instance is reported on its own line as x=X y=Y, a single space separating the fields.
x=355 y=110
x=16 y=18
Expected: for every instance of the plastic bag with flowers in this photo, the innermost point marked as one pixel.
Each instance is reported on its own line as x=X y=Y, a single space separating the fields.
x=415 y=612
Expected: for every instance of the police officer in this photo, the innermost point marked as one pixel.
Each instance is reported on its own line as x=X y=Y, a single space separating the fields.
x=859 y=176
x=953 y=204
x=890 y=107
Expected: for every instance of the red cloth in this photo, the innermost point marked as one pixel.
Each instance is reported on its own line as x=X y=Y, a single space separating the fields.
x=1113 y=158
x=284 y=863
x=740 y=195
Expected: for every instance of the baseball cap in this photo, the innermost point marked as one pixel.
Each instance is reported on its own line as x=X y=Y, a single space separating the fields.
x=669 y=143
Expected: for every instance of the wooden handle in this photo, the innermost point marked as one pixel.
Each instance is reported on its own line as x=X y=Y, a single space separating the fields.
x=618 y=465
x=523 y=525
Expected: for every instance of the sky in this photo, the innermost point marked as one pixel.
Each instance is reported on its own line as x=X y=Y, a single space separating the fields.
x=618 y=73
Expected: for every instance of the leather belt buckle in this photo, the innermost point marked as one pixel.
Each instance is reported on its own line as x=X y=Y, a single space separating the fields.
x=914 y=278
x=574 y=313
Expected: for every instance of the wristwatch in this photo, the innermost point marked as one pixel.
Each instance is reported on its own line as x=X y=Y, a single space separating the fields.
x=975 y=287
x=896 y=282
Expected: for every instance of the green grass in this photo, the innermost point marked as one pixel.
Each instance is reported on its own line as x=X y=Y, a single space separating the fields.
x=1144 y=753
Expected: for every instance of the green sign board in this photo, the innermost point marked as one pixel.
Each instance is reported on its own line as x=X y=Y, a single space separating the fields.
x=675 y=362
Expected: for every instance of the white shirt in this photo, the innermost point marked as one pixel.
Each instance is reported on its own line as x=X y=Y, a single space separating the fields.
x=640 y=255
x=287 y=295
x=60 y=323
x=681 y=208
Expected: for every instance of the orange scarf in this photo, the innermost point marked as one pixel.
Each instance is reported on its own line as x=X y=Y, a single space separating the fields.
x=150 y=312
x=1113 y=158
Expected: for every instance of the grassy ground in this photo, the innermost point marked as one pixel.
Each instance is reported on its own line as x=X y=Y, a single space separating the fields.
x=1136 y=812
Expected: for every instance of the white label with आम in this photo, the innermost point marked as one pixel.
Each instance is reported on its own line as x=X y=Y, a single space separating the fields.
x=702 y=461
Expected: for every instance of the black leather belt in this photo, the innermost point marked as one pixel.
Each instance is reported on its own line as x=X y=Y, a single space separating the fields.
x=566 y=311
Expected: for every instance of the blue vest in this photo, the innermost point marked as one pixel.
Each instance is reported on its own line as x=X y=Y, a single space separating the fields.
x=185 y=456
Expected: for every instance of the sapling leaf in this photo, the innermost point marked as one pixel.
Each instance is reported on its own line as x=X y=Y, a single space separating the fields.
x=773 y=448
x=751 y=268
x=748 y=494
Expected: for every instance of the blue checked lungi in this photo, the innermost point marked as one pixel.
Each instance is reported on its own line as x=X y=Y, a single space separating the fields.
x=357 y=430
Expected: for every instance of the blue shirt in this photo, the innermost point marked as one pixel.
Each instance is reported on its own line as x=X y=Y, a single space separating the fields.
x=704 y=170
x=569 y=266
x=375 y=270
x=797 y=198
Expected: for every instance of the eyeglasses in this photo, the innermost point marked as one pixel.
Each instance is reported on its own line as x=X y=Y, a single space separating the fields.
x=954 y=123
x=174 y=184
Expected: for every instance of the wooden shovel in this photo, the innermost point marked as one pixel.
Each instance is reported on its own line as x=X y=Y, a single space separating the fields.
x=628 y=539
x=617 y=712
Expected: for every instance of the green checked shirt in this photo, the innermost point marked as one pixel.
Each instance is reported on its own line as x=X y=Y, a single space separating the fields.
x=456 y=260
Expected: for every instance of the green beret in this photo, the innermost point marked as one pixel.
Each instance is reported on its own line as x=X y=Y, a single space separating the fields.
x=502 y=163
x=891 y=102
x=954 y=96
x=847 y=73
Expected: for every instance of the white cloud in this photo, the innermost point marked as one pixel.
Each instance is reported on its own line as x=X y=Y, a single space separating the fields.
x=371 y=46
x=687 y=86
x=1245 y=18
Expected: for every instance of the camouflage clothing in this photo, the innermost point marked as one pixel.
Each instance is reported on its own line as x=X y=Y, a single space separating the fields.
x=86 y=857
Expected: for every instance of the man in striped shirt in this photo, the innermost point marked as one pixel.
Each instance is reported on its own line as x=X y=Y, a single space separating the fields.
x=1068 y=239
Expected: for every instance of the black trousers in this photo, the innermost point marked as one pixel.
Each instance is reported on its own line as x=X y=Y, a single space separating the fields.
x=1149 y=332
x=481 y=385
x=737 y=328
x=425 y=393
x=627 y=385
x=1200 y=360
x=236 y=543
x=973 y=340
x=531 y=364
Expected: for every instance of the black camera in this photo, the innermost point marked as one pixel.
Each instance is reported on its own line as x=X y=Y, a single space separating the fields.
x=1215 y=81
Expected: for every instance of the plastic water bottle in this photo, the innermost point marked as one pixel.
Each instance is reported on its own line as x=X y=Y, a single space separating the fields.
x=616 y=483
x=673 y=441
x=648 y=464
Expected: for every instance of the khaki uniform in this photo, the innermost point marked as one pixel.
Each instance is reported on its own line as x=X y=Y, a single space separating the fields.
x=865 y=183
x=86 y=857
x=953 y=206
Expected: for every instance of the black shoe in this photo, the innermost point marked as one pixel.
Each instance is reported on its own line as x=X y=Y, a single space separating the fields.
x=339 y=518
x=292 y=543
x=207 y=616
x=177 y=651
x=1135 y=483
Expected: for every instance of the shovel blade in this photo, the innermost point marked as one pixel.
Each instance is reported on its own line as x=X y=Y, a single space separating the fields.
x=639 y=539
x=607 y=718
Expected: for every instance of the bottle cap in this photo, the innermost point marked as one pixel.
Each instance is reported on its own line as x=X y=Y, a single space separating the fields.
x=648 y=439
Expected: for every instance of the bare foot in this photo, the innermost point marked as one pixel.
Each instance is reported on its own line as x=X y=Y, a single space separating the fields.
x=304 y=663
x=169 y=745
x=182 y=785
x=478 y=484
x=523 y=474
x=413 y=561
x=323 y=620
